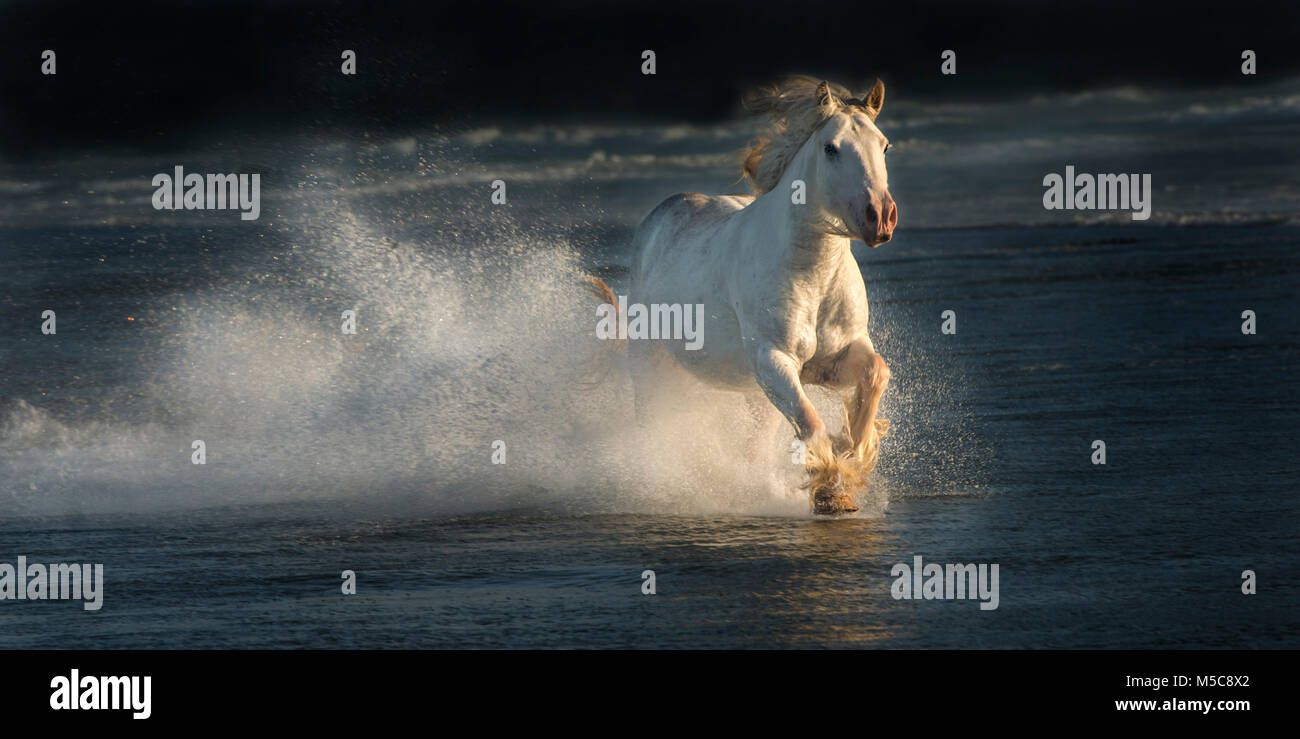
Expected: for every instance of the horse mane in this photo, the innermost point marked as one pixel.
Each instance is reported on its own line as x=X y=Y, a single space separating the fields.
x=795 y=111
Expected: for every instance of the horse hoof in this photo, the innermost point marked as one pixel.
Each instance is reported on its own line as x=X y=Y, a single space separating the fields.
x=830 y=502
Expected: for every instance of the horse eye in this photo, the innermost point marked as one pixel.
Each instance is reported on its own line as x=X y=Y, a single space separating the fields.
x=830 y=150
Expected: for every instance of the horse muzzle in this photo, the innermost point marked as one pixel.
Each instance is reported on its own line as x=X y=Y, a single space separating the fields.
x=881 y=217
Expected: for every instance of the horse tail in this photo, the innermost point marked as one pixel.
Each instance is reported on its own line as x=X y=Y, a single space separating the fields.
x=603 y=291
x=601 y=361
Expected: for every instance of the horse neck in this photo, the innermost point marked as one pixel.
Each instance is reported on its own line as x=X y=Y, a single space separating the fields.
x=793 y=233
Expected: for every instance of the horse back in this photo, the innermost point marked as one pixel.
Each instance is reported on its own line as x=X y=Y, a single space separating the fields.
x=693 y=209
x=663 y=228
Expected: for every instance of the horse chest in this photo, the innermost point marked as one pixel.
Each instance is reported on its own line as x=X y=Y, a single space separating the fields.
x=816 y=338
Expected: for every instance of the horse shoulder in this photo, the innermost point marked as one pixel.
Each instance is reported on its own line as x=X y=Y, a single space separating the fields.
x=844 y=308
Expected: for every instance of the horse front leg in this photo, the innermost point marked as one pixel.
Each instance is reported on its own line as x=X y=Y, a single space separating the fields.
x=832 y=479
x=777 y=373
x=866 y=372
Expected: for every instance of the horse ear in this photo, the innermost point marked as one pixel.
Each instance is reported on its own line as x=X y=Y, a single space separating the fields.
x=823 y=94
x=876 y=98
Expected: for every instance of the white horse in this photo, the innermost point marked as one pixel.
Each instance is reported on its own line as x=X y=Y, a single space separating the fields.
x=784 y=301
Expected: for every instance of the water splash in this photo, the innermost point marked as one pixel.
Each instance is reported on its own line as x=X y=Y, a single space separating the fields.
x=480 y=338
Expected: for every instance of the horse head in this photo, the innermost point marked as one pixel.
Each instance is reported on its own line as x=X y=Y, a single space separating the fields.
x=828 y=139
x=847 y=158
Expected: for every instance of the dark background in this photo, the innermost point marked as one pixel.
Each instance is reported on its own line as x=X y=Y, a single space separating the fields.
x=137 y=74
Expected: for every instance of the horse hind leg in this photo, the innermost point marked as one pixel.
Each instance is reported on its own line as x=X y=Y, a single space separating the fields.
x=662 y=389
x=763 y=420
